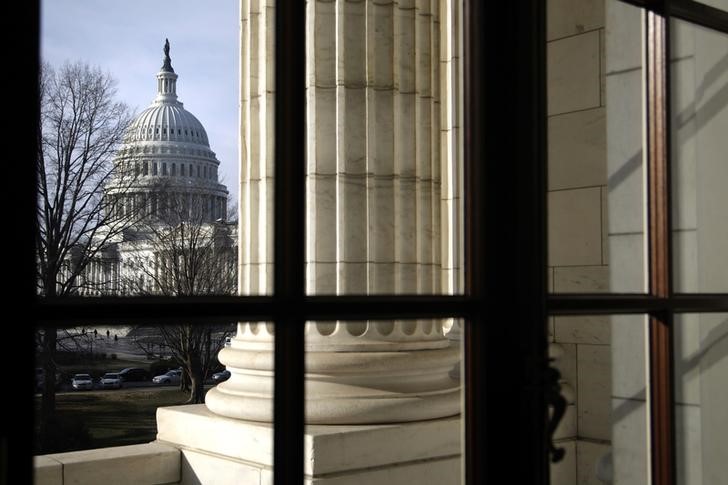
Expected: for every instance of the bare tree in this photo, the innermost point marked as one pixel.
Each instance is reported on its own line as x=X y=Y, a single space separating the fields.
x=195 y=347
x=81 y=126
x=233 y=214
x=180 y=251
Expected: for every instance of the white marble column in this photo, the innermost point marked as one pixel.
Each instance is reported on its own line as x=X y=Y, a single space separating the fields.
x=255 y=275
x=373 y=147
x=376 y=156
x=356 y=373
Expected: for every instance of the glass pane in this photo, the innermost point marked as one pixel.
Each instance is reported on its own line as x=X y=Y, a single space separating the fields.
x=392 y=388
x=699 y=106
x=701 y=414
x=133 y=188
x=384 y=165
x=604 y=428
x=595 y=148
x=108 y=381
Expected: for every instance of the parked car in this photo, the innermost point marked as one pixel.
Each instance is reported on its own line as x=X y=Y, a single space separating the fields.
x=169 y=377
x=110 y=381
x=133 y=374
x=221 y=376
x=82 y=381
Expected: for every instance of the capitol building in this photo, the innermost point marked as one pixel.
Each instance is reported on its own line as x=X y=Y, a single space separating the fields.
x=166 y=192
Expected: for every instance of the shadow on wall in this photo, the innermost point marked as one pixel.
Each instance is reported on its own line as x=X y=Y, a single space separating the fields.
x=713 y=349
x=705 y=358
x=703 y=115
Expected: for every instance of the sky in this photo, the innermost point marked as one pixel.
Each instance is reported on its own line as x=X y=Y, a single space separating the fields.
x=125 y=38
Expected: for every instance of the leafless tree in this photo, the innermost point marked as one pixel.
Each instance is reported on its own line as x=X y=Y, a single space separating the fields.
x=182 y=251
x=147 y=344
x=195 y=347
x=81 y=126
x=233 y=214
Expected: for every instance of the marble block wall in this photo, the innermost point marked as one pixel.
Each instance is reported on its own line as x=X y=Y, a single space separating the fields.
x=597 y=231
x=577 y=230
x=700 y=237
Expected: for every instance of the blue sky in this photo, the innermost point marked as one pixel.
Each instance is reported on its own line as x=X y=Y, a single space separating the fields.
x=125 y=38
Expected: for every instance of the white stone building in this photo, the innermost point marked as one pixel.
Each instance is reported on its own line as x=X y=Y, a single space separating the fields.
x=166 y=186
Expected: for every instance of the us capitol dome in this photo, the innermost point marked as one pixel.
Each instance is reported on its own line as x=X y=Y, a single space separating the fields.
x=166 y=156
x=165 y=176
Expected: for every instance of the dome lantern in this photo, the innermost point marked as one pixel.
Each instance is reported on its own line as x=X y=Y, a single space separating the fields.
x=167 y=80
x=166 y=120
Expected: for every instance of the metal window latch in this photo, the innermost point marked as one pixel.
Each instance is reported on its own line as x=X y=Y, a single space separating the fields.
x=555 y=401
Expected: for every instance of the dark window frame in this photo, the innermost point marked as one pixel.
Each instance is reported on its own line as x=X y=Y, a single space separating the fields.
x=508 y=197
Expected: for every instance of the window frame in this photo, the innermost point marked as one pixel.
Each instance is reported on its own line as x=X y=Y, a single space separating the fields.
x=505 y=273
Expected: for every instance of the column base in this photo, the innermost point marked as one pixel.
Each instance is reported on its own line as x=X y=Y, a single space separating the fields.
x=342 y=388
x=221 y=450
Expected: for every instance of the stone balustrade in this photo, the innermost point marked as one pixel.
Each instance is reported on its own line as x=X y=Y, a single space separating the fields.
x=147 y=464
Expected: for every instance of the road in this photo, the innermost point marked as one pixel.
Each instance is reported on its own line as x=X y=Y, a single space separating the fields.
x=125 y=349
x=129 y=386
x=66 y=387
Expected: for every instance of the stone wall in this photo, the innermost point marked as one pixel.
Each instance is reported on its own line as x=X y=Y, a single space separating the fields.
x=577 y=205
x=597 y=220
x=699 y=66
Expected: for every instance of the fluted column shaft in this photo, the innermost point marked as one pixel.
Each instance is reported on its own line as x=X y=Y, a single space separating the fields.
x=373 y=161
x=256 y=147
x=374 y=166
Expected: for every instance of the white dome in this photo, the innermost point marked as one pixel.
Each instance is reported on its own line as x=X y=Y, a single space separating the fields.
x=166 y=153
x=167 y=121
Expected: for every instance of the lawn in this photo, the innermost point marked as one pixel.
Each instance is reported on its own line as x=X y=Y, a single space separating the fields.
x=111 y=418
